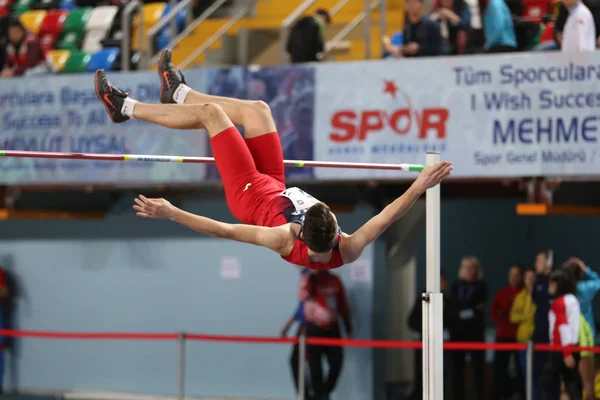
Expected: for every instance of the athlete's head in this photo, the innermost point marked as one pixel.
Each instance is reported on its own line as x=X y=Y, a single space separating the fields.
x=320 y=230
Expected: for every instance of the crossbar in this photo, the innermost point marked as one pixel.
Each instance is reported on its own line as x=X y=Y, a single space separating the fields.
x=202 y=160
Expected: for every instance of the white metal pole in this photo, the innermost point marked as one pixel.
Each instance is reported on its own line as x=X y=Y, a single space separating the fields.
x=181 y=369
x=529 y=371
x=301 y=363
x=367 y=29
x=433 y=380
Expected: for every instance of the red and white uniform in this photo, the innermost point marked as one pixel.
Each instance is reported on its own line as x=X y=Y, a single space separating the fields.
x=253 y=177
x=324 y=300
x=564 y=322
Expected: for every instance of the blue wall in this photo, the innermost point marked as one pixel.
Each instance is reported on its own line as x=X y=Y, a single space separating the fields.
x=126 y=274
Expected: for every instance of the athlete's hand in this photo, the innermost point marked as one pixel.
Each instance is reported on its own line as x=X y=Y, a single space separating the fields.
x=153 y=208
x=433 y=175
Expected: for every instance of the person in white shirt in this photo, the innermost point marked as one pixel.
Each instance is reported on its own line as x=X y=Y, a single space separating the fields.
x=579 y=34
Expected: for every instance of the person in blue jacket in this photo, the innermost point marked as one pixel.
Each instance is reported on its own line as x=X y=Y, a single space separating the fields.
x=498 y=28
x=588 y=284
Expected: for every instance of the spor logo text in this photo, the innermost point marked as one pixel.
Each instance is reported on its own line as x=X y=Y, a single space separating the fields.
x=356 y=125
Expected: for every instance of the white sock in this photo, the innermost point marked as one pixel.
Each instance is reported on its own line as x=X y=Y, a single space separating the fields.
x=181 y=93
x=128 y=106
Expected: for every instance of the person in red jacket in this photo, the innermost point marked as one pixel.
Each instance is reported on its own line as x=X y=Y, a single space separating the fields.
x=23 y=50
x=505 y=332
x=324 y=303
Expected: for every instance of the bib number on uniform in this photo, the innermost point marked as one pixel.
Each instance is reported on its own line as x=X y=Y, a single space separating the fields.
x=299 y=198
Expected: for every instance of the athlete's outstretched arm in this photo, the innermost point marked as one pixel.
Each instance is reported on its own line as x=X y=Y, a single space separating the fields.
x=272 y=238
x=353 y=246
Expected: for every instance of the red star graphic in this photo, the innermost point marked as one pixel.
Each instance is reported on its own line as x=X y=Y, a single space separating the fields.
x=391 y=88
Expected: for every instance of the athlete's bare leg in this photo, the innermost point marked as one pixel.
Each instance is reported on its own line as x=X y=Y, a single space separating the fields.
x=121 y=107
x=254 y=116
x=207 y=116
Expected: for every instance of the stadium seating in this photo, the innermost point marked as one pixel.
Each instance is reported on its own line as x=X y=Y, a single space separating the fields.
x=58 y=59
x=101 y=18
x=180 y=17
x=74 y=28
x=5 y=7
x=104 y=59
x=21 y=6
x=32 y=20
x=151 y=15
x=45 y=5
x=98 y=27
x=77 y=62
x=67 y=5
x=51 y=28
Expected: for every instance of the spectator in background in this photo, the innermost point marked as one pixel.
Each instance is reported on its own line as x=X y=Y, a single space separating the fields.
x=23 y=51
x=559 y=26
x=415 y=323
x=468 y=296
x=541 y=297
x=323 y=303
x=498 y=27
x=564 y=324
x=454 y=18
x=579 y=34
x=561 y=20
x=476 y=39
x=588 y=284
x=506 y=332
x=522 y=313
x=421 y=37
x=307 y=37
x=586 y=363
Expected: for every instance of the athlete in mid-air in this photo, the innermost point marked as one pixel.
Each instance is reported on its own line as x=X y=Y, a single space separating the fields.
x=300 y=228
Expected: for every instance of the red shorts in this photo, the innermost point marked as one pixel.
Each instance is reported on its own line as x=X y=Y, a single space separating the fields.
x=253 y=176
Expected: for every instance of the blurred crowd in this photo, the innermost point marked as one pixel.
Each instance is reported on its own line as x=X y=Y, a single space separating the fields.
x=543 y=305
x=457 y=27
x=26 y=53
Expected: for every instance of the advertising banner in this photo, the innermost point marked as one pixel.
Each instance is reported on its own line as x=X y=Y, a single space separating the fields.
x=62 y=114
x=492 y=116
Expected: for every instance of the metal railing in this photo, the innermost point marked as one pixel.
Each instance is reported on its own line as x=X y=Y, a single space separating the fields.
x=171 y=17
x=130 y=8
x=360 y=17
x=285 y=25
x=337 y=7
x=241 y=13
